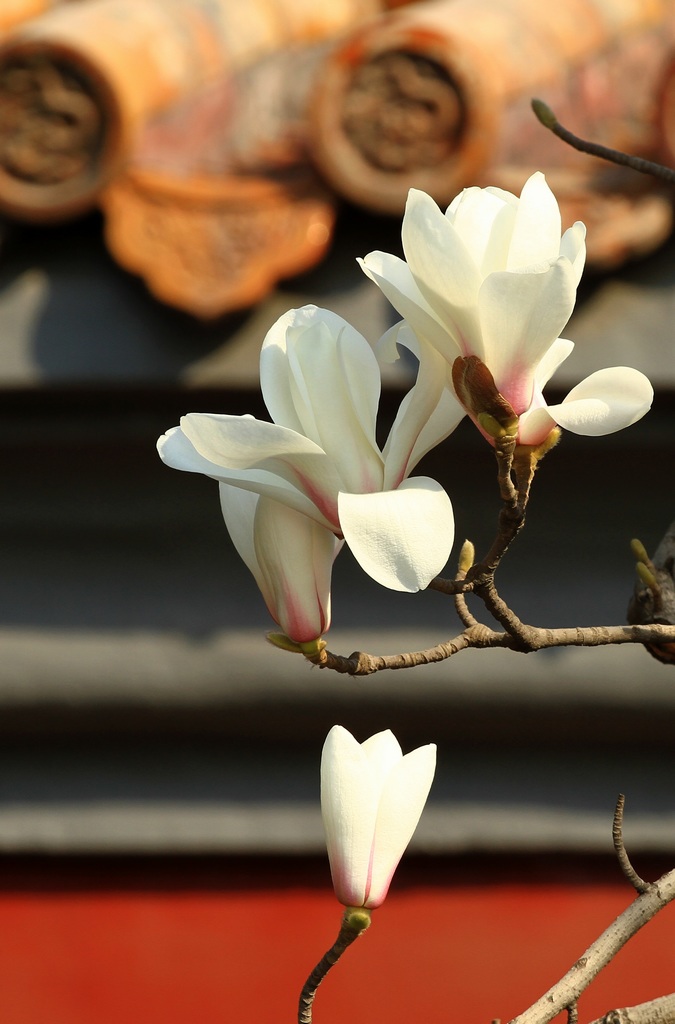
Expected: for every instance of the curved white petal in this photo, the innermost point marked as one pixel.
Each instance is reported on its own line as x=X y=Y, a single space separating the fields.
x=295 y=558
x=535 y=425
x=554 y=357
x=573 y=246
x=320 y=377
x=178 y=452
x=401 y=538
x=394 y=279
x=349 y=801
x=521 y=315
x=401 y=803
x=426 y=415
x=606 y=401
x=537 y=227
x=443 y=268
x=269 y=459
x=275 y=378
x=438 y=257
x=484 y=219
x=238 y=507
x=289 y=556
x=383 y=752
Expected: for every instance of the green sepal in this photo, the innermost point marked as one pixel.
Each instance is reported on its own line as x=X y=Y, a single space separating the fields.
x=356 y=919
x=310 y=648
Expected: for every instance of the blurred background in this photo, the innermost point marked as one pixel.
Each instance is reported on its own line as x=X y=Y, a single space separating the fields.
x=173 y=177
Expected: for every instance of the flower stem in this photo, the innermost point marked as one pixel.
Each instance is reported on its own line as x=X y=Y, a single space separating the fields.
x=354 y=921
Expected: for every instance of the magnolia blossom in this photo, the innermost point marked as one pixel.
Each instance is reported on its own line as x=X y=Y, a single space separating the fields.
x=492 y=280
x=371 y=800
x=319 y=459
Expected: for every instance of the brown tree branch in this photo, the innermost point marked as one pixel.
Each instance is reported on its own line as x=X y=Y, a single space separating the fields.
x=530 y=639
x=566 y=991
x=655 y=1011
x=361 y=664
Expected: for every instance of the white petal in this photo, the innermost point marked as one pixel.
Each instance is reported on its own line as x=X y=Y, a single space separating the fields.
x=437 y=254
x=401 y=538
x=401 y=803
x=608 y=400
x=177 y=451
x=484 y=218
x=425 y=417
x=521 y=315
x=238 y=507
x=275 y=378
x=349 y=801
x=394 y=279
x=535 y=425
x=321 y=377
x=573 y=245
x=443 y=268
x=295 y=558
x=289 y=556
x=383 y=751
x=554 y=357
x=537 y=228
x=268 y=459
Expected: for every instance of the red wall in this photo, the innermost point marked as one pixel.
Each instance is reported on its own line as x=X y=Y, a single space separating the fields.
x=209 y=942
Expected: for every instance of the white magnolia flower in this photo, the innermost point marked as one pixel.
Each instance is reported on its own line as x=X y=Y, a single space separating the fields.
x=371 y=800
x=492 y=278
x=321 y=383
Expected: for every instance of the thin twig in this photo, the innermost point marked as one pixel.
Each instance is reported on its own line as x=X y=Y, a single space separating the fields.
x=465 y=616
x=354 y=923
x=466 y=557
x=361 y=664
x=572 y=1013
x=510 y=523
x=545 y=116
x=449 y=587
x=629 y=871
x=600 y=953
x=503 y=614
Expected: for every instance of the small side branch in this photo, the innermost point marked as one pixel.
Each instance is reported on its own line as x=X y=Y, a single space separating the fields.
x=545 y=116
x=466 y=559
x=498 y=608
x=629 y=871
